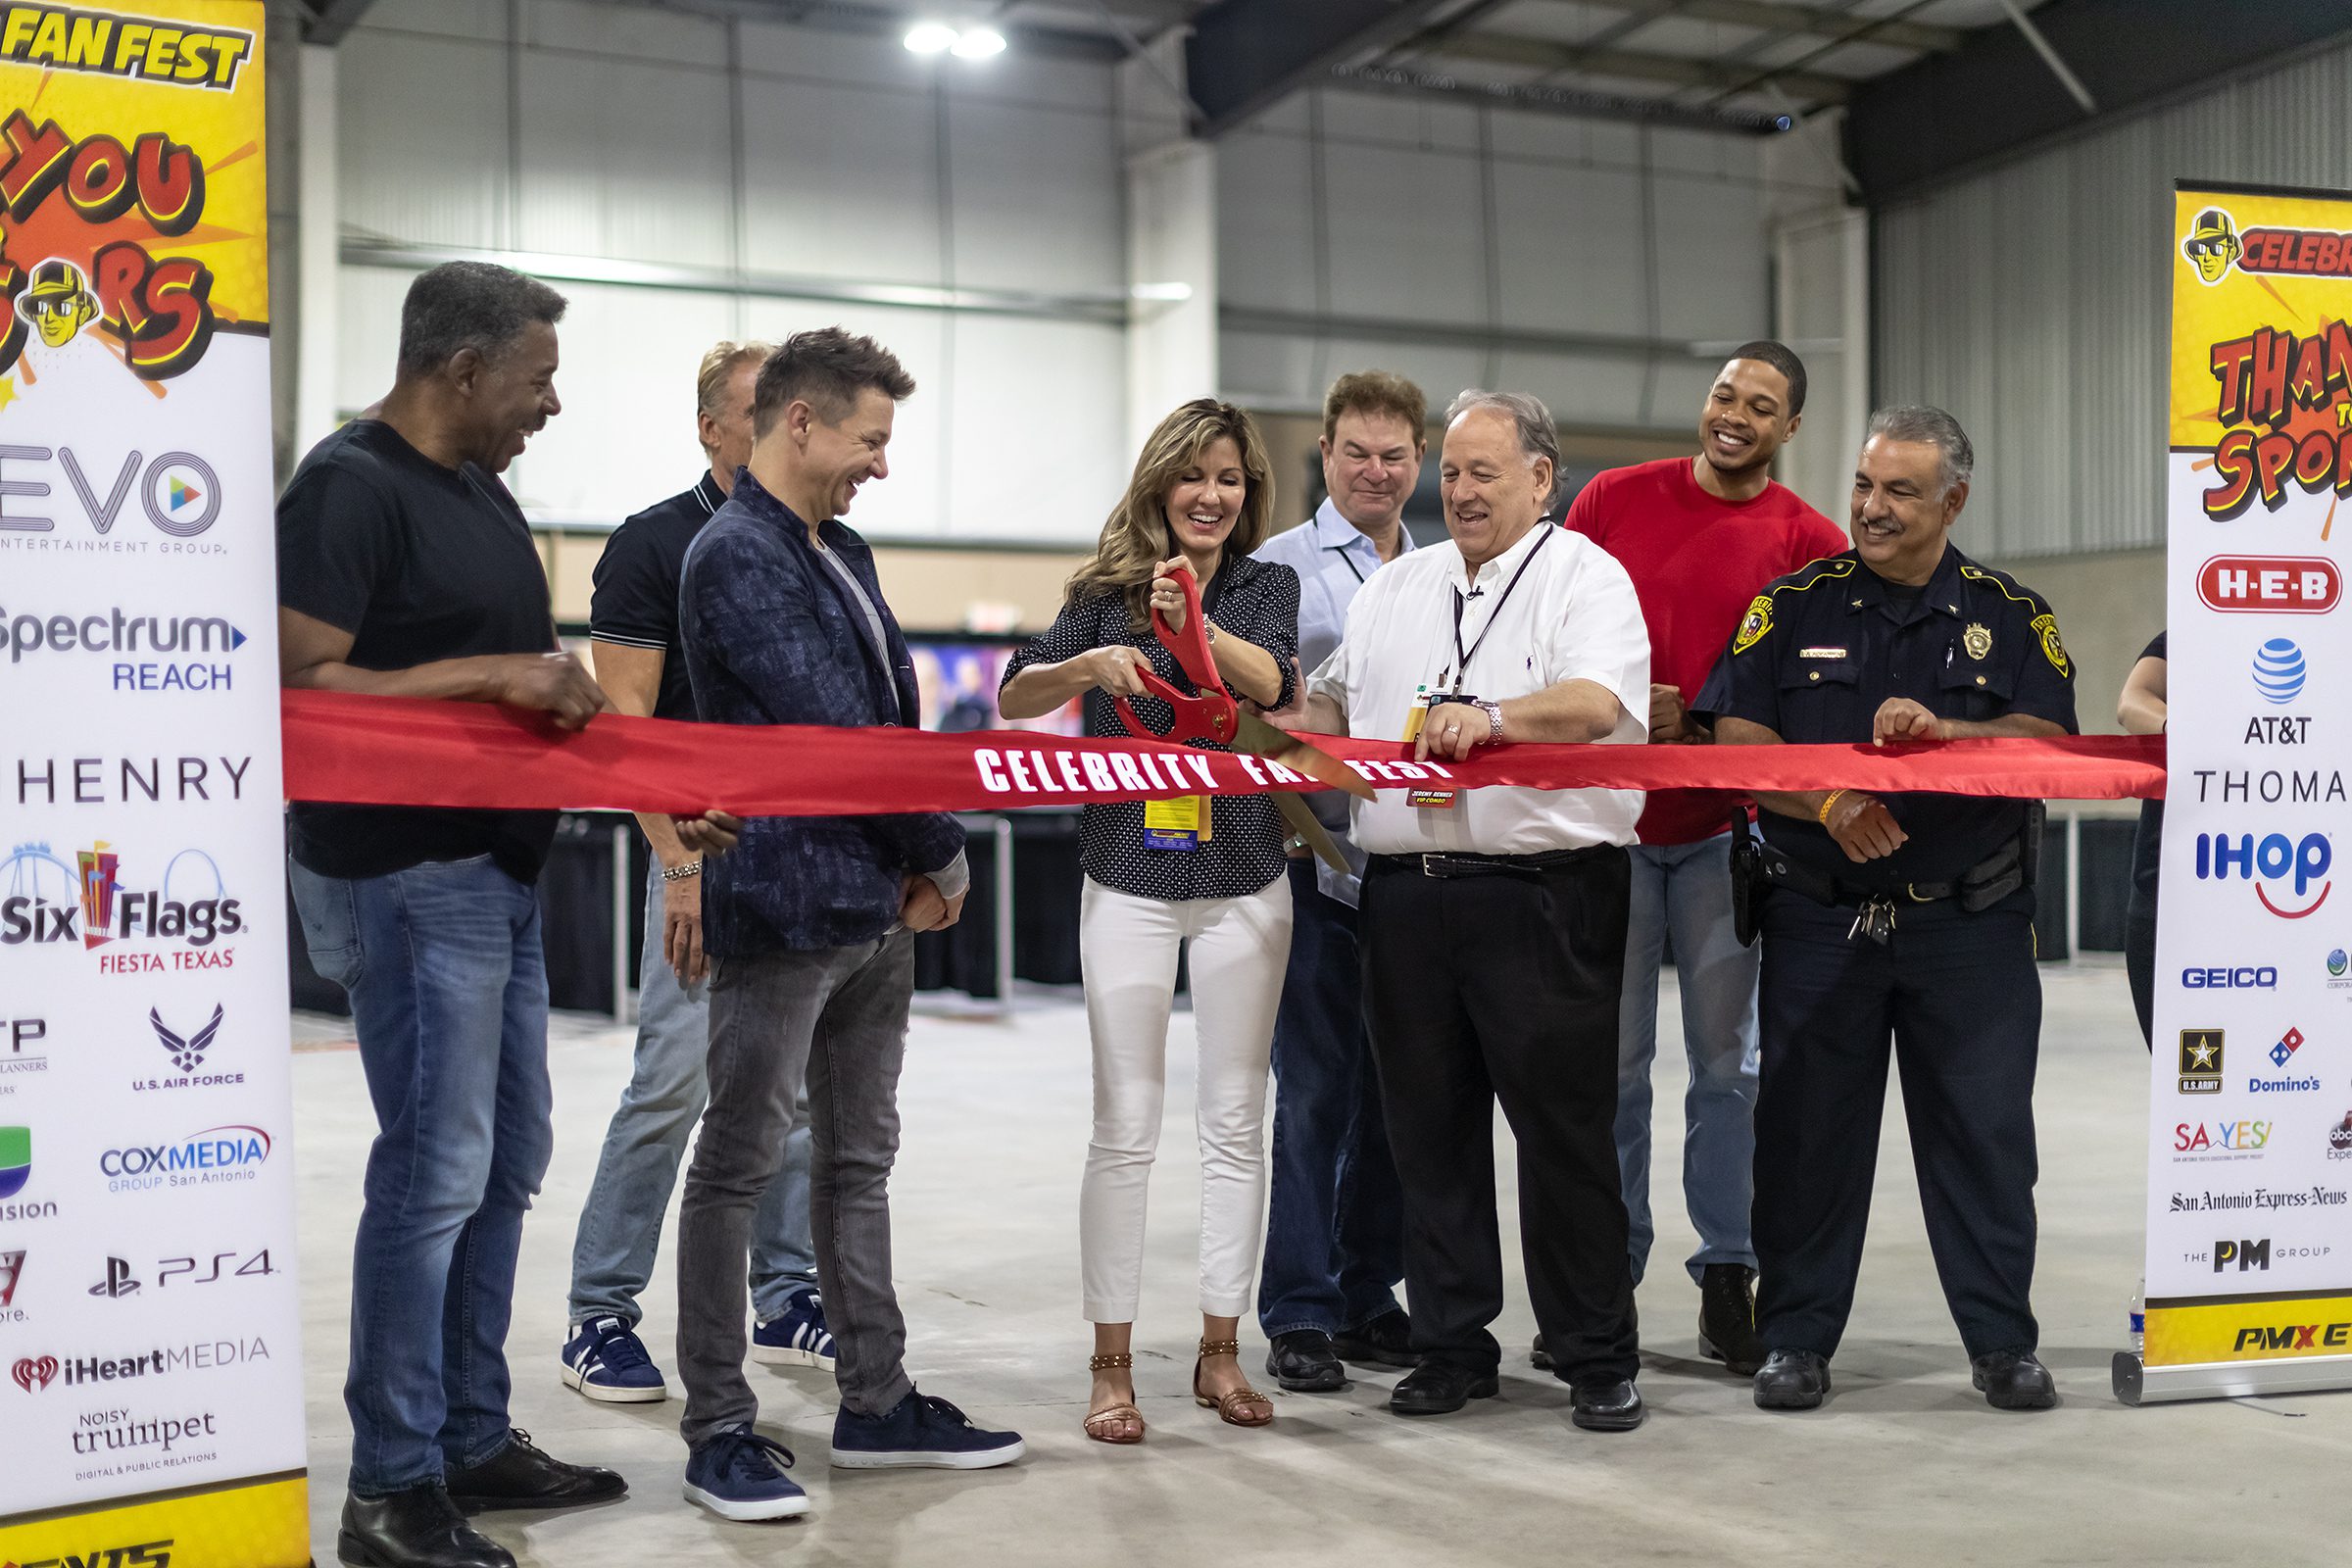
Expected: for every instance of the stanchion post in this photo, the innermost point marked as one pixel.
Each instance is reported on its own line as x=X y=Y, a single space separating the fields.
x=1003 y=835
x=2073 y=883
x=621 y=923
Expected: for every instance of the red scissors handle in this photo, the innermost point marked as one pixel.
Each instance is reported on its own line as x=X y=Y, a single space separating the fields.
x=1214 y=716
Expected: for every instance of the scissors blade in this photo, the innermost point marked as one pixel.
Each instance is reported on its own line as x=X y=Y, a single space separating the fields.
x=1301 y=822
x=1261 y=739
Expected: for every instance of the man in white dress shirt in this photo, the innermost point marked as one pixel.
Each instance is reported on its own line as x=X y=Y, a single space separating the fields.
x=1493 y=921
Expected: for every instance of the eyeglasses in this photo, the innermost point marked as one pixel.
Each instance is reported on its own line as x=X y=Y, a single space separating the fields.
x=57 y=304
x=2216 y=245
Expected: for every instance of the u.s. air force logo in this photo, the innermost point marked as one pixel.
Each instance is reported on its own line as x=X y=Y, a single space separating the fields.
x=1754 y=624
x=2051 y=647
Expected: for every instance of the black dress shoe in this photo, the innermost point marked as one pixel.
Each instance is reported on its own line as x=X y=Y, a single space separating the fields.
x=1607 y=1404
x=1539 y=1357
x=418 y=1528
x=520 y=1476
x=2013 y=1380
x=1727 y=1318
x=1301 y=1361
x=1791 y=1380
x=1439 y=1387
x=1386 y=1340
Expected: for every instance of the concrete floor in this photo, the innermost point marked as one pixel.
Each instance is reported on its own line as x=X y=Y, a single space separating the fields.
x=1906 y=1464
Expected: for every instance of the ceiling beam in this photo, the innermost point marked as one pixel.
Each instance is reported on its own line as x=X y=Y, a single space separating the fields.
x=1244 y=55
x=326 y=22
x=1677 y=70
x=1404 y=82
x=1777 y=17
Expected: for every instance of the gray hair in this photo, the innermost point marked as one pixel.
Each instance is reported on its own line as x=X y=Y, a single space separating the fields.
x=470 y=304
x=1911 y=423
x=1538 y=437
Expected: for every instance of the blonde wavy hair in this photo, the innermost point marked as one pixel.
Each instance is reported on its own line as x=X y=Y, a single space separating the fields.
x=1136 y=538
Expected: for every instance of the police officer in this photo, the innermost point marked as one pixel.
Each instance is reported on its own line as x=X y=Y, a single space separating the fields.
x=1908 y=916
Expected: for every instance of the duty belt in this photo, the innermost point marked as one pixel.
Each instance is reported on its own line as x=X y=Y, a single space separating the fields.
x=2002 y=872
x=1464 y=862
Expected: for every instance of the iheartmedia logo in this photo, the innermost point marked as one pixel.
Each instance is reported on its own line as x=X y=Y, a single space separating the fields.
x=2290 y=585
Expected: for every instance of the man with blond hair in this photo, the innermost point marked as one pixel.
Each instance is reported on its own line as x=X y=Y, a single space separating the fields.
x=633 y=626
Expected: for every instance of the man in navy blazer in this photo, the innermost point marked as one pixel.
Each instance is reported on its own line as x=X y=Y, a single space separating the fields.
x=810 y=931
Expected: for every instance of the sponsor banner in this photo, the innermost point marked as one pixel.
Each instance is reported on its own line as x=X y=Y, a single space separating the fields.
x=2249 y=1231
x=229 y=1527
x=149 y=1314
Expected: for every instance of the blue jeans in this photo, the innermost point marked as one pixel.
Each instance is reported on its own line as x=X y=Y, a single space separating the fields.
x=620 y=1227
x=1334 y=1226
x=448 y=991
x=1686 y=889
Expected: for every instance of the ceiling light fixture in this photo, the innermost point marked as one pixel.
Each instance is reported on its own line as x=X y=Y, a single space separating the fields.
x=933 y=37
x=979 y=43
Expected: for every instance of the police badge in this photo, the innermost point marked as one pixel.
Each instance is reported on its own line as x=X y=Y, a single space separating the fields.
x=1977 y=641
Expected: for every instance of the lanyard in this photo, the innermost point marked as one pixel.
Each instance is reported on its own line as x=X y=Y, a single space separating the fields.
x=1461 y=656
x=1348 y=559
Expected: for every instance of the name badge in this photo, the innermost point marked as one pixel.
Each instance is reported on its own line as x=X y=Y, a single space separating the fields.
x=1430 y=800
x=1178 y=824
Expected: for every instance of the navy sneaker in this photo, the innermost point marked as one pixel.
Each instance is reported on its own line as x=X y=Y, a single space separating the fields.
x=605 y=1360
x=740 y=1475
x=796 y=1336
x=919 y=1433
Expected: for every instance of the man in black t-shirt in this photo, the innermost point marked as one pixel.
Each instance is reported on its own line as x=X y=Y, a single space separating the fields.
x=633 y=622
x=405 y=568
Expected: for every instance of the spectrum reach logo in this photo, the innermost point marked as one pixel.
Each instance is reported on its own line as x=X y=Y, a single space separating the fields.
x=143 y=652
x=2276 y=865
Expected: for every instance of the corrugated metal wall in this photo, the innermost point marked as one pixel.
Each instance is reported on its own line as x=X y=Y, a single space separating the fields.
x=2031 y=301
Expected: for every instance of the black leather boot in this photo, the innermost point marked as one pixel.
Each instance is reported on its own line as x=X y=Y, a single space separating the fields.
x=418 y=1528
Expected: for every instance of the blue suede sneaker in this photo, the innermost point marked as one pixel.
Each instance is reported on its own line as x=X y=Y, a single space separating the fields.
x=740 y=1475
x=919 y=1433
x=796 y=1336
x=605 y=1361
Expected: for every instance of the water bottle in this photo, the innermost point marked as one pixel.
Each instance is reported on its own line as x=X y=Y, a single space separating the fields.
x=2139 y=1322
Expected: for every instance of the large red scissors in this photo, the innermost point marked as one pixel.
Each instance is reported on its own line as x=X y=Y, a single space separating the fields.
x=1214 y=716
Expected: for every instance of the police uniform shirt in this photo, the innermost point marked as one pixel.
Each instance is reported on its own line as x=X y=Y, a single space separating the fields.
x=1822 y=649
x=1571 y=614
x=636 y=599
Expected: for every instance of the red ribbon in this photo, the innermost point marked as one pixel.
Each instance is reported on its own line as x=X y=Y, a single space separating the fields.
x=385 y=750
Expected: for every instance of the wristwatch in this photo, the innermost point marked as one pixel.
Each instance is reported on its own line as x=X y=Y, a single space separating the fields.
x=1494 y=712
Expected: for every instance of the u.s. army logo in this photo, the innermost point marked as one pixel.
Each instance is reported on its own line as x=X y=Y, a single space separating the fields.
x=1977 y=641
x=2051 y=647
x=1754 y=624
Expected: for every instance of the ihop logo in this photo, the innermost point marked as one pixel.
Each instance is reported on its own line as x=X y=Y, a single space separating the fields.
x=2271 y=863
x=2279 y=671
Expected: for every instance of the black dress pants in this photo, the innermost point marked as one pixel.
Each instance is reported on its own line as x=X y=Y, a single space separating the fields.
x=1961 y=1001
x=1503 y=985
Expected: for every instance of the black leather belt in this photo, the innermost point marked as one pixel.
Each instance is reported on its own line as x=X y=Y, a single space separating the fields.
x=1464 y=862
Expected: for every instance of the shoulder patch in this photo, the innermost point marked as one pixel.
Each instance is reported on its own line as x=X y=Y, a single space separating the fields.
x=1754 y=624
x=2046 y=626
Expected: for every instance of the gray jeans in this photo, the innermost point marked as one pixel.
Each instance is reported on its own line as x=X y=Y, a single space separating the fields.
x=839 y=1016
x=620 y=1225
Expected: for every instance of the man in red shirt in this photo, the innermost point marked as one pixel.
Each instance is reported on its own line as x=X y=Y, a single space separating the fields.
x=1702 y=537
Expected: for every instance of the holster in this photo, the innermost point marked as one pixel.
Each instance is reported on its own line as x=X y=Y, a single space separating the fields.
x=1748 y=879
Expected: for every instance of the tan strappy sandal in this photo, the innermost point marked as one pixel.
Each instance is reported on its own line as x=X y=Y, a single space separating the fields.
x=1229 y=1408
x=1104 y=1425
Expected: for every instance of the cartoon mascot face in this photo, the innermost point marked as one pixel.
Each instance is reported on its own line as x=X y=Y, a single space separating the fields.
x=2212 y=246
x=58 y=302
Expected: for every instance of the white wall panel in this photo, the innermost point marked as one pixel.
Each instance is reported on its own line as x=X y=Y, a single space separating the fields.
x=1035 y=452
x=2049 y=352
x=1407 y=234
x=1266 y=221
x=1569 y=263
x=625 y=159
x=367 y=338
x=798 y=139
x=625 y=32
x=423 y=134
x=1037 y=198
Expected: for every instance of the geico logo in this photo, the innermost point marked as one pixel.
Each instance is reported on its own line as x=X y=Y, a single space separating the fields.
x=2243 y=978
x=2268 y=859
x=2295 y=1337
x=146 y=1555
x=114 y=632
x=216 y=1153
x=2191 y=1136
